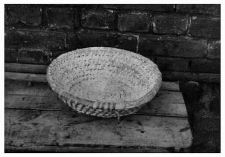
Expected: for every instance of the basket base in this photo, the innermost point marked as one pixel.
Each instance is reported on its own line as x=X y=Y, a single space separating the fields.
x=106 y=90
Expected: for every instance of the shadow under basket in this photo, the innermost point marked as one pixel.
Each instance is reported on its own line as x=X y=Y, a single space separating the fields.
x=103 y=81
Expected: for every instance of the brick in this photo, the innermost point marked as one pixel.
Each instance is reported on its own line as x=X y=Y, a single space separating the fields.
x=214 y=50
x=205 y=66
x=56 y=54
x=72 y=41
x=135 y=22
x=35 y=38
x=172 y=64
x=150 y=7
x=170 y=23
x=107 y=39
x=102 y=19
x=60 y=18
x=27 y=14
x=210 y=9
x=34 y=56
x=11 y=55
x=205 y=27
x=171 y=46
x=77 y=18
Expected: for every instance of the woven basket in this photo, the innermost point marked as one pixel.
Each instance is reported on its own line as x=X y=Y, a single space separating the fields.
x=104 y=82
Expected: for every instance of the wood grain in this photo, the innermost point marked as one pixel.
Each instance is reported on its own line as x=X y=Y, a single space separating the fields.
x=40 y=97
x=22 y=88
x=56 y=128
x=174 y=105
x=36 y=121
x=25 y=68
x=170 y=86
x=26 y=77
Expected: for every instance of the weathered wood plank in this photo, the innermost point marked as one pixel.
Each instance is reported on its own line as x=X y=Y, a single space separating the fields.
x=54 y=126
x=22 y=88
x=187 y=76
x=25 y=77
x=25 y=128
x=165 y=103
x=34 y=102
x=25 y=68
x=19 y=95
x=85 y=149
x=171 y=86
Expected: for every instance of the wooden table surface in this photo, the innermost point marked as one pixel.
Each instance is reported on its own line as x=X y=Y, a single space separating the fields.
x=37 y=121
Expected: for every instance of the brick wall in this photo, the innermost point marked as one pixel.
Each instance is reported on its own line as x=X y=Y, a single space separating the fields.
x=183 y=40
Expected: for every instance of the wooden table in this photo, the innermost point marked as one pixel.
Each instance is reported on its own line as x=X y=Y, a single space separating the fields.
x=37 y=121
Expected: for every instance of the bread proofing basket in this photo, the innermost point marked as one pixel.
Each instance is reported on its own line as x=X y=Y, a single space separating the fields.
x=104 y=82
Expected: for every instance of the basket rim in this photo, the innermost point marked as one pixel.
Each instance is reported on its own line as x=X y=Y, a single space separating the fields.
x=126 y=104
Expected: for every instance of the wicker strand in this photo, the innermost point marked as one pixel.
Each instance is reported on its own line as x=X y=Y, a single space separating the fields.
x=118 y=116
x=100 y=80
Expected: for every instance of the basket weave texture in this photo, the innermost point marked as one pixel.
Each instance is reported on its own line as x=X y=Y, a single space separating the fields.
x=104 y=82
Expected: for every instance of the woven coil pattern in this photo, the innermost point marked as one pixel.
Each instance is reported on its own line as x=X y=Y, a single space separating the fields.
x=104 y=82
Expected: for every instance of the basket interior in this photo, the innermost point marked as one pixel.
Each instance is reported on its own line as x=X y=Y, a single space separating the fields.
x=103 y=74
